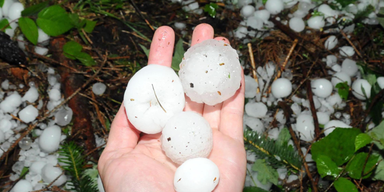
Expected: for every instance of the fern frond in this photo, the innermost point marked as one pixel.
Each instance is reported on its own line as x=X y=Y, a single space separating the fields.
x=88 y=184
x=276 y=155
x=72 y=159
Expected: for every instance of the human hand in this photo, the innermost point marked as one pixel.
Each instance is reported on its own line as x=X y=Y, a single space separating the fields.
x=133 y=161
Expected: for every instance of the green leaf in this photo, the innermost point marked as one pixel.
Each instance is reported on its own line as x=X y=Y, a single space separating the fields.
x=34 y=9
x=3 y=23
x=1 y=3
x=343 y=90
x=326 y=167
x=72 y=49
x=54 y=20
x=344 y=3
x=355 y=166
x=362 y=140
x=379 y=171
x=75 y=20
x=338 y=145
x=265 y=172
x=381 y=19
x=284 y=137
x=178 y=56
x=211 y=9
x=377 y=134
x=86 y=59
x=24 y=171
x=89 y=25
x=253 y=189
x=29 y=29
x=344 y=185
x=146 y=51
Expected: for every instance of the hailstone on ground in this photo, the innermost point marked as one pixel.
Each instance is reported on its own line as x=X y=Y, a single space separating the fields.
x=186 y=135
x=210 y=72
x=153 y=95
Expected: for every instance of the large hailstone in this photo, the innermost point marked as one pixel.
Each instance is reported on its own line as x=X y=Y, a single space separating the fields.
x=198 y=174
x=210 y=72
x=153 y=95
x=186 y=135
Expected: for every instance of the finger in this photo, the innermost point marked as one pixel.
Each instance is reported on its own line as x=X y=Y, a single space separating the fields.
x=232 y=114
x=161 y=50
x=122 y=133
x=222 y=39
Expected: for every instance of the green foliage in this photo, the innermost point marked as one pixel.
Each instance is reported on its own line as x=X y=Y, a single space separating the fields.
x=211 y=9
x=29 y=29
x=54 y=20
x=355 y=166
x=362 y=140
x=146 y=51
x=377 y=134
x=338 y=145
x=1 y=3
x=316 y=13
x=266 y=172
x=178 y=55
x=327 y=167
x=73 y=50
x=381 y=16
x=34 y=9
x=345 y=185
x=89 y=26
x=4 y=24
x=283 y=137
x=379 y=172
x=253 y=189
x=276 y=155
x=344 y=3
x=343 y=90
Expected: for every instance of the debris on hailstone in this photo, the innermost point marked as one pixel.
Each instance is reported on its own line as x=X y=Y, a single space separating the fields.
x=210 y=72
x=331 y=42
x=361 y=89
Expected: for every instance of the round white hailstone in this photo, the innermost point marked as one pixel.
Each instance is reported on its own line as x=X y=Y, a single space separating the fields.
x=31 y=95
x=20 y=41
x=305 y=127
x=331 y=125
x=49 y=140
x=357 y=89
x=331 y=42
x=64 y=116
x=210 y=72
x=327 y=10
x=281 y=88
x=5 y=125
x=41 y=50
x=274 y=6
x=347 y=51
x=247 y=11
x=349 y=67
x=180 y=25
x=43 y=37
x=186 y=135
x=11 y=32
x=36 y=167
x=28 y=114
x=10 y=103
x=5 y=84
x=263 y=15
x=297 y=24
x=2 y=136
x=15 y=11
x=99 y=88
x=198 y=174
x=289 y=3
x=254 y=22
x=250 y=87
x=257 y=109
x=6 y=5
x=255 y=124
x=22 y=186
x=153 y=95
x=331 y=60
x=322 y=87
x=340 y=77
x=336 y=68
x=322 y=117
x=316 y=22
x=50 y=173
x=241 y=32
x=380 y=81
x=54 y=94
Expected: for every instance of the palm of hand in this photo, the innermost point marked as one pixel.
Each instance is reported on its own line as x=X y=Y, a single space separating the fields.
x=141 y=165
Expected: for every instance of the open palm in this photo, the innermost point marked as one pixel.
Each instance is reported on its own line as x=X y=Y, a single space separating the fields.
x=135 y=162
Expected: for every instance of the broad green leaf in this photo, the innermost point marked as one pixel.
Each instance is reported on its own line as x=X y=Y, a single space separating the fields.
x=362 y=140
x=4 y=24
x=34 y=9
x=1 y=3
x=371 y=78
x=284 y=137
x=86 y=59
x=377 y=134
x=29 y=29
x=355 y=166
x=253 y=189
x=266 y=173
x=343 y=90
x=146 y=51
x=326 y=167
x=345 y=185
x=24 y=171
x=379 y=171
x=72 y=49
x=211 y=9
x=75 y=20
x=54 y=20
x=178 y=56
x=338 y=145
x=89 y=25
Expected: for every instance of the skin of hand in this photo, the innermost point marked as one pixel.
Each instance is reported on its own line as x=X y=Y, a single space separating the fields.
x=135 y=162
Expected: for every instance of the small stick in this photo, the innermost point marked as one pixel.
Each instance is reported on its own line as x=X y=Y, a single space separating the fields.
x=157 y=98
x=253 y=66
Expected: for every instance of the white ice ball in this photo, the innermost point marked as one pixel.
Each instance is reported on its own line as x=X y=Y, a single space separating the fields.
x=331 y=125
x=257 y=109
x=43 y=38
x=198 y=174
x=255 y=124
x=153 y=95
x=210 y=72
x=340 y=77
x=322 y=117
x=305 y=127
x=15 y=10
x=274 y=6
x=50 y=173
x=22 y=186
x=322 y=87
x=297 y=24
x=349 y=67
x=28 y=114
x=41 y=50
x=7 y=4
x=247 y=11
x=11 y=102
x=357 y=89
x=36 y=167
x=250 y=87
x=31 y=95
x=263 y=15
x=49 y=140
x=316 y=22
x=54 y=94
x=99 y=88
x=186 y=135
x=380 y=81
x=331 y=42
x=281 y=88
x=347 y=51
